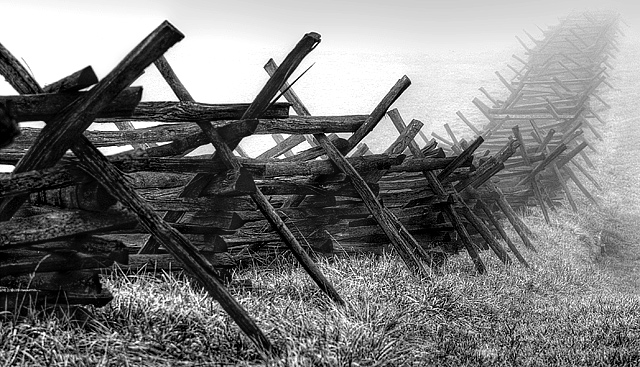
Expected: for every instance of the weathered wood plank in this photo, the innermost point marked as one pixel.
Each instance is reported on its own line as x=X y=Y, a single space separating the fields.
x=279 y=139
x=81 y=79
x=87 y=195
x=267 y=169
x=403 y=241
x=542 y=165
x=467 y=155
x=155 y=262
x=9 y=128
x=233 y=131
x=518 y=225
x=406 y=136
x=282 y=147
x=164 y=200
x=65 y=175
x=170 y=132
x=42 y=107
x=16 y=75
x=490 y=167
x=76 y=254
x=485 y=233
x=498 y=226
x=301 y=110
x=65 y=223
x=164 y=180
x=288 y=187
x=185 y=111
x=555 y=166
x=173 y=241
x=79 y=281
x=18 y=299
x=571 y=154
x=271 y=67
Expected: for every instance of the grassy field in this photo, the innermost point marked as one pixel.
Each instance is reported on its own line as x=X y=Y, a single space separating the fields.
x=560 y=312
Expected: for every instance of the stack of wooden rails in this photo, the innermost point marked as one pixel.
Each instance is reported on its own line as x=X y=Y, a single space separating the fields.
x=66 y=217
x=426 y=198
x=551 y=110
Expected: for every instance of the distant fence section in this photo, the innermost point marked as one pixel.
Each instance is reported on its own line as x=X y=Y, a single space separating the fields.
x=65 y=217
x=551 y=110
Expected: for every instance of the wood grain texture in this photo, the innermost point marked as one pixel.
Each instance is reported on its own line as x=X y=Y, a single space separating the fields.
x=63 y=130
x=43 y=107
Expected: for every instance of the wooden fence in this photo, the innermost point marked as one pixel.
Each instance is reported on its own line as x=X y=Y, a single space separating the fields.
x=67 y=217
x=551 y=110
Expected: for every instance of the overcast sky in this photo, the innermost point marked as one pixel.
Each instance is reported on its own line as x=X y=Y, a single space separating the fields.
x=56 y=38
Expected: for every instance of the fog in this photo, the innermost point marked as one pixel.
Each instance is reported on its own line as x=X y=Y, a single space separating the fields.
x=57 y=38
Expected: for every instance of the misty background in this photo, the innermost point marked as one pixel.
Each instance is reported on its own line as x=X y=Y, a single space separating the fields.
x=445 y=47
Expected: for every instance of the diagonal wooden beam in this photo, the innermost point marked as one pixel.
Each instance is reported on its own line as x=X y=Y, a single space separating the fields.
x=178 y=245
x=496 y=223
x=490 y=167
x=16 y=74
x=534 y=182
x=468 y=123
x=555 y=165
x=518 y=225
x=279 y=139
x=460 y=159
x=290 y=95
x=552 y=156
x=405 y=138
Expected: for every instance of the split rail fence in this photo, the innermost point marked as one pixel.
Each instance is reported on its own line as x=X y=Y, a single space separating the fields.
x=551 y=110
x=66 y=217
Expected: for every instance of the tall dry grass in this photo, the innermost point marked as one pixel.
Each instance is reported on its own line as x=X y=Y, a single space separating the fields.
x=559 y=312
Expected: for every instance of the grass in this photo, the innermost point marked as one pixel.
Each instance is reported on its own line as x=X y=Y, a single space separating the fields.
x=560 y=312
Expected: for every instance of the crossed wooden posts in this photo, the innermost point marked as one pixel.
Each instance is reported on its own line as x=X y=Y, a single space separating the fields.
x=378 y=211
x=551 y=94
x=64 y=131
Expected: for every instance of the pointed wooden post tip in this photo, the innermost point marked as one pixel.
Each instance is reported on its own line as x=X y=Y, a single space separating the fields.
x=313 y=35
x=166 y=24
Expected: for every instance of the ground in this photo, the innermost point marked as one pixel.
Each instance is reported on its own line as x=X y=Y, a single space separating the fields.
x=618 y=171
